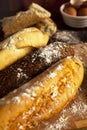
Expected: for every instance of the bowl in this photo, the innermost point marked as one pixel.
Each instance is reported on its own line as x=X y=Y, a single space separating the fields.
x=73 y=21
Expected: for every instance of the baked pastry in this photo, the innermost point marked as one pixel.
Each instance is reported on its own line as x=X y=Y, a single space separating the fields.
x=47 y=26
x=21 y=43
x=29 y=66
x=23 y=19
x=42 y=97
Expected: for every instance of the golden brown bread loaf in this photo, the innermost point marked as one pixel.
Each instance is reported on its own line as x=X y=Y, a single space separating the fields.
x=23 y=19
x=42 y=97
x=20 y=44
x=29 y=66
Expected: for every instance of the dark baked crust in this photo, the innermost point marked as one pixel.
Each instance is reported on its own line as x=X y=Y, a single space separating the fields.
x=31 y=65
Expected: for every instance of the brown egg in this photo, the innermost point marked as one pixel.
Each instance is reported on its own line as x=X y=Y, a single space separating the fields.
x=70 y=10
x=82 y=12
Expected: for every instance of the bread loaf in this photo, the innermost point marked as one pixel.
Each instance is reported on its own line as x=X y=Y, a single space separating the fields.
x=23 y=19
x=80 y=50
x=42 y=97
x=21 y=43
x=47 y=26
x=31 y=65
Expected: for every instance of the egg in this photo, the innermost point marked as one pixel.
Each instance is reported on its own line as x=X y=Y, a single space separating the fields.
x=82 y=12
x=70 y=10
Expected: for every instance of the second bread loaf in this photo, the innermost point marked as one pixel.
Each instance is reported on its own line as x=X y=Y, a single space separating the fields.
x=31 y=65
x=42 y=97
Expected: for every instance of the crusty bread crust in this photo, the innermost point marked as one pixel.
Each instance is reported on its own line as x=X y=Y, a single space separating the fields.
x=42 y=97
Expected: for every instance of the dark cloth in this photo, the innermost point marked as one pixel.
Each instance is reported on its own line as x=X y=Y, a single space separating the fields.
x=10 y=7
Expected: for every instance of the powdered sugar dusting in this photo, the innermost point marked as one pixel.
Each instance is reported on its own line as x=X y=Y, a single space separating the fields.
x=60 y=123
x=21 y=127
x=48 y=53
x=52 y=75
x=52 y=53
x=26 y=95
x=20 y=74
x=59 y=67
x=16 y=99
x=77 y=110
x=11 y=41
